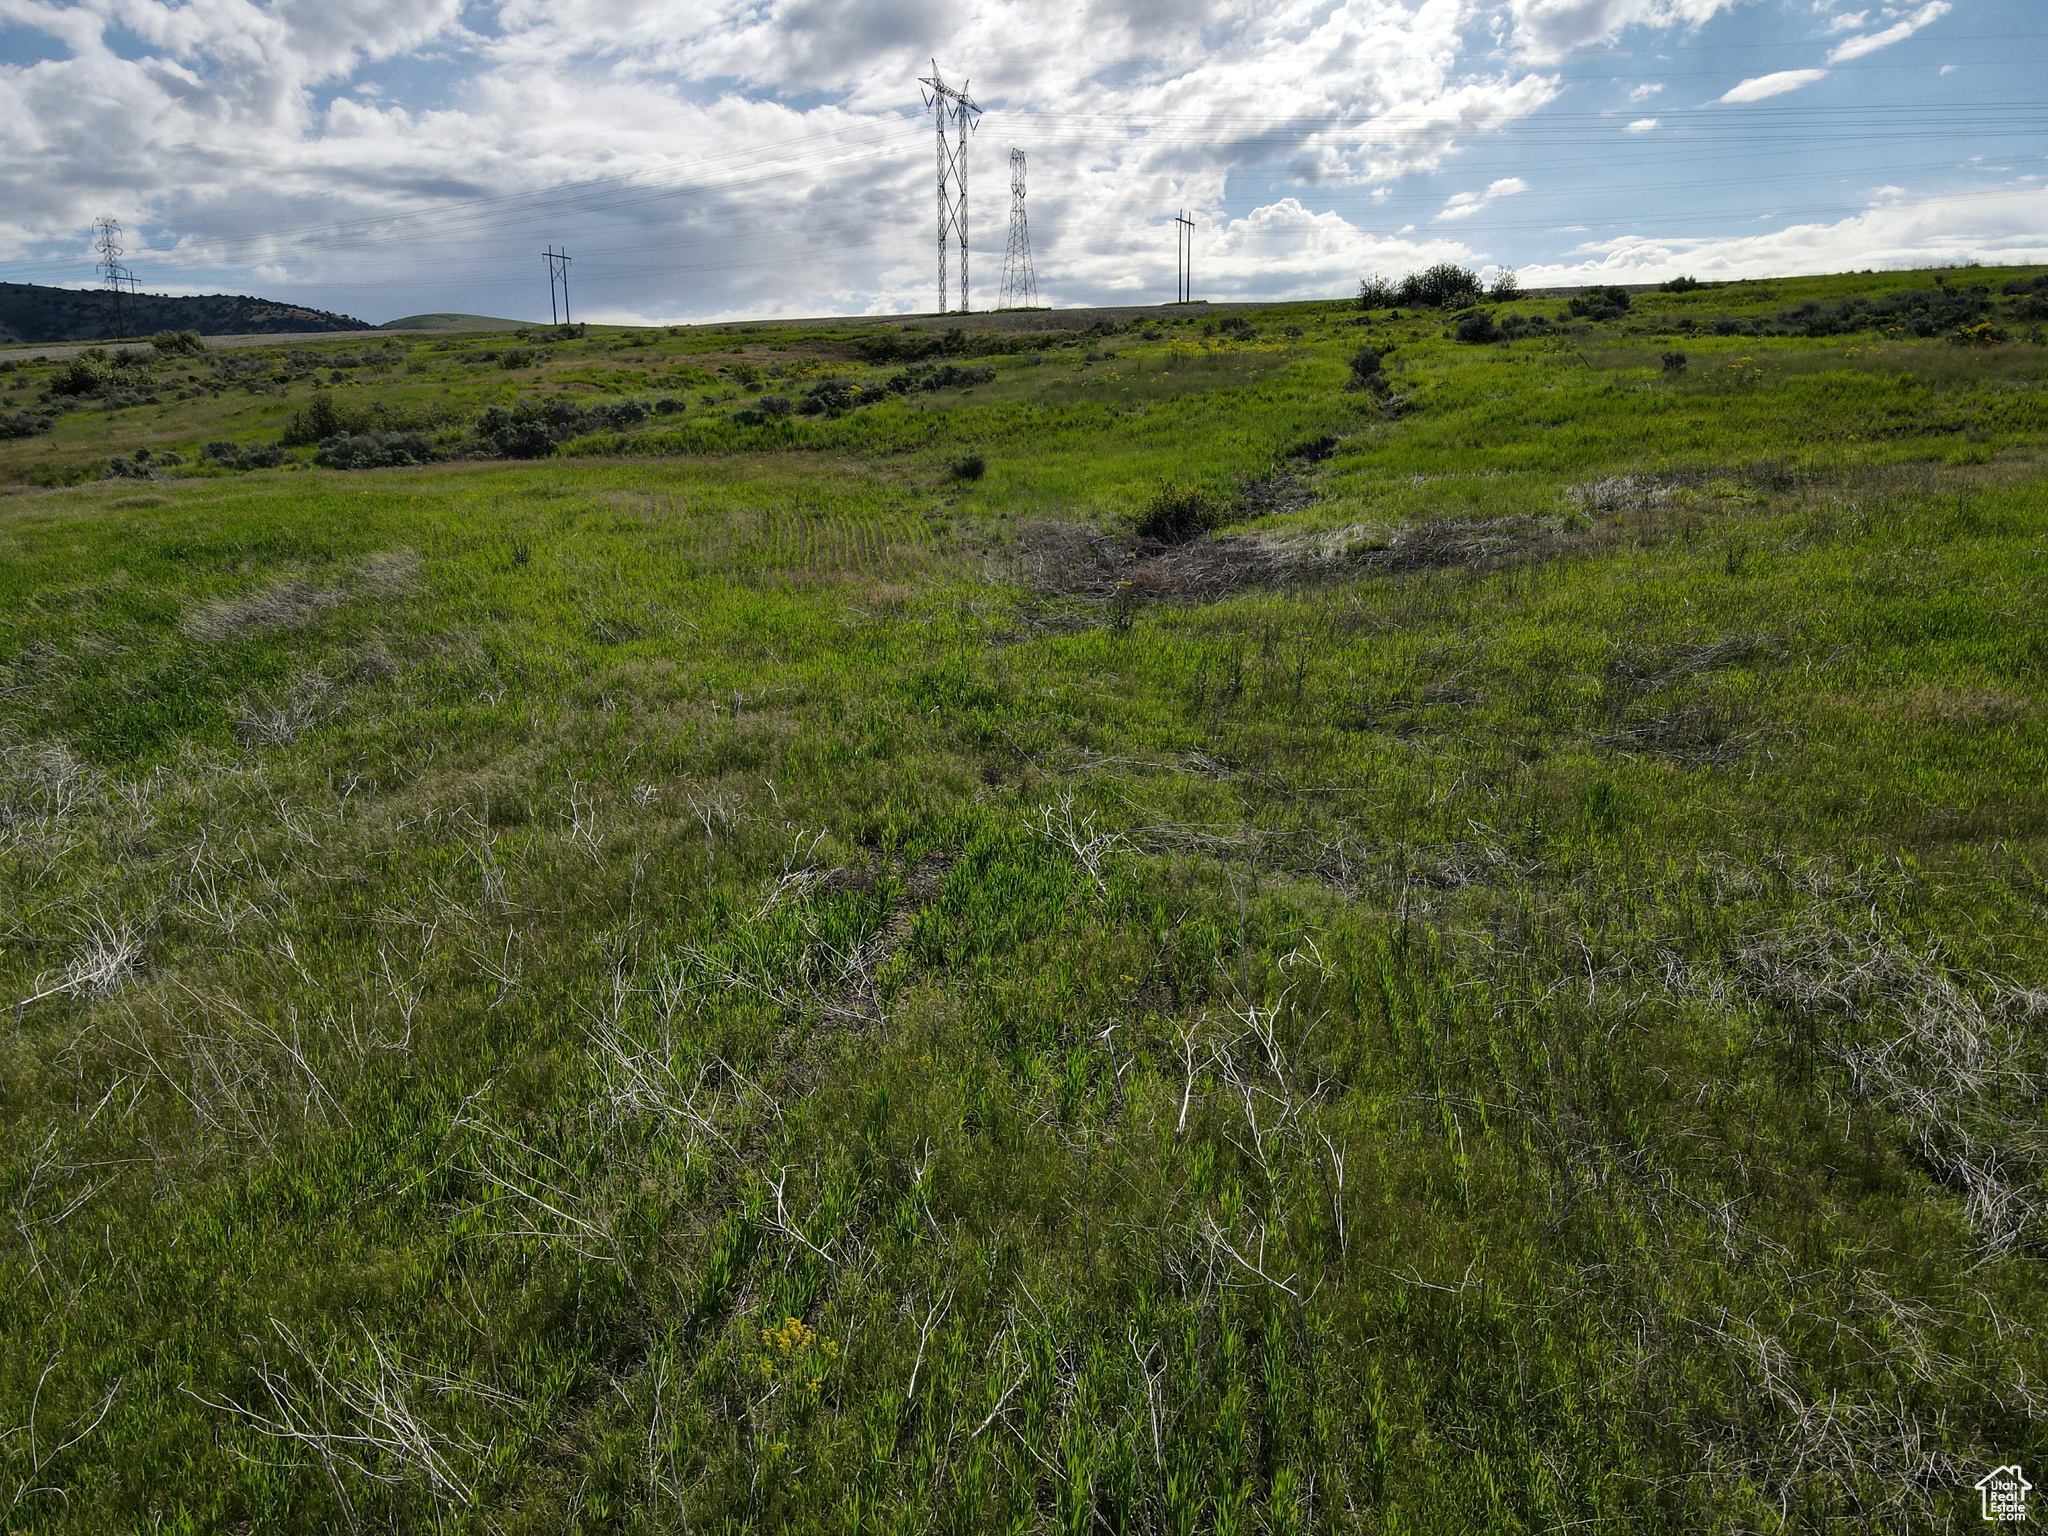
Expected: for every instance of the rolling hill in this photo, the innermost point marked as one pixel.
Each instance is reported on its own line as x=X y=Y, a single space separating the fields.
x=30 y=312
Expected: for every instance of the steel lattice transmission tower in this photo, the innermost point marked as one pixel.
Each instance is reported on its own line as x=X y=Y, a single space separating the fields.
x=958 y=115
x=1020 y=285
x=113 y=276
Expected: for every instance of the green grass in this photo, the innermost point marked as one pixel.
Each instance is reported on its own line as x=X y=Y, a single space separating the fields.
x=728 y=979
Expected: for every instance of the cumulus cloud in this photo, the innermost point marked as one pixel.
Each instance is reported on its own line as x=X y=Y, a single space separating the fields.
x=1763 y=87
x=1642 y=125
x=2006 y=225
x=1462 y=205
x=1549 y=29
x=1870 y=42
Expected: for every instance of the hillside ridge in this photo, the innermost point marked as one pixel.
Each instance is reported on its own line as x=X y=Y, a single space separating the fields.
x=30 y=312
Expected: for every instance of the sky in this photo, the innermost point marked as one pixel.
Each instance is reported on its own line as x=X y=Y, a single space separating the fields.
x=720 y=159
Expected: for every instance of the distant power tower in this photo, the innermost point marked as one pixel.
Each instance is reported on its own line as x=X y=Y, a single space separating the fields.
x=1183 y=258
x=1020 y=285
x=558 y=273
x=113 y=276
x=956 y=112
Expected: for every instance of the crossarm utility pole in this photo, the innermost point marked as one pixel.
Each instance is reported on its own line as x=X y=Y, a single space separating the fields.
x=558 y=267
x=1183 y=258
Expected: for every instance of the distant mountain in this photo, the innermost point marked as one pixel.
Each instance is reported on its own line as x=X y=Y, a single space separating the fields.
x=32 y=313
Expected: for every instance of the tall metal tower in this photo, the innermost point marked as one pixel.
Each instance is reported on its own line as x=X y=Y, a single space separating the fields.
x=1020 y=285
x=113 y=276
x=558 y=269
x=1183 y=258
x=955 y=110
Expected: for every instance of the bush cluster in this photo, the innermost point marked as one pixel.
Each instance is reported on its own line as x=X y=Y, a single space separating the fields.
x=764 y=410
x=231 y=455
x=15 y=424
x=144 y=465
x=178 y=344
x=911 y=345
x=831 y=397
x=1912 y=312
x=1232 y=328
x=1443 y=286
x=925 y=378
x=2032 y=293
x=1480 y=327
x=1679 y=285
x=324 y=417
x=376 y=450
x=1600 y=304
x=533 y=429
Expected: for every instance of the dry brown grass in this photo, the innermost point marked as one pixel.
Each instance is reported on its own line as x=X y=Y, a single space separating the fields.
x=294 y=603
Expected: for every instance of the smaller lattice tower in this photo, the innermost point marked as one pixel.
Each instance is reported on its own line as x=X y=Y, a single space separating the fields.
x=1020 y=285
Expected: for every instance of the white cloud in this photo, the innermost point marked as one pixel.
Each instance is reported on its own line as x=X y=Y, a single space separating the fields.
x=1857 y=47
x=1848 y=21
x=1549 y=29
x=1949 y=69
x=1462 y=205
x=1642 y=125
x=2006 y=226
x=1764 y=86
x=1645 y=92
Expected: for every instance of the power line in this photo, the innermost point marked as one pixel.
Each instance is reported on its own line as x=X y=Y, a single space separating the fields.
x=1183 y=258
x=1020 y=283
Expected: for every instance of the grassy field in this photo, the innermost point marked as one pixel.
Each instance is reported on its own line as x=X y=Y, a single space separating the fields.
x=1140 y=940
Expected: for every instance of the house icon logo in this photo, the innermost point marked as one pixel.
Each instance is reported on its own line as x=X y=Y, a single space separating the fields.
x=2005 y=1492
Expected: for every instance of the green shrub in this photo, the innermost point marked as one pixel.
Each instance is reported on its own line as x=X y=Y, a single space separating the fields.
x=83 y=375
x=923 y=378
x=1935 y=311
x=178 y=344
x=1601 y=304
x=1477 y=328
x=1367 y=372
x=1679 y=285
x=1443 y=286
x=761 y=412
x=1506 y=286
x=1674 y=362
x=1376 y=292
x=321 y=419
x=376 y=450
x=969 y=466
x=1177 y=513
x=232 y=455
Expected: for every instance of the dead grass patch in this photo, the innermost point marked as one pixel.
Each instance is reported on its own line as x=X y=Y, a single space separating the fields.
x=296 y=602
x=1069 y=560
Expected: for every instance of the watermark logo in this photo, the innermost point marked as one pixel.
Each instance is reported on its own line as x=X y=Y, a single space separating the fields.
x=2005 y=1490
